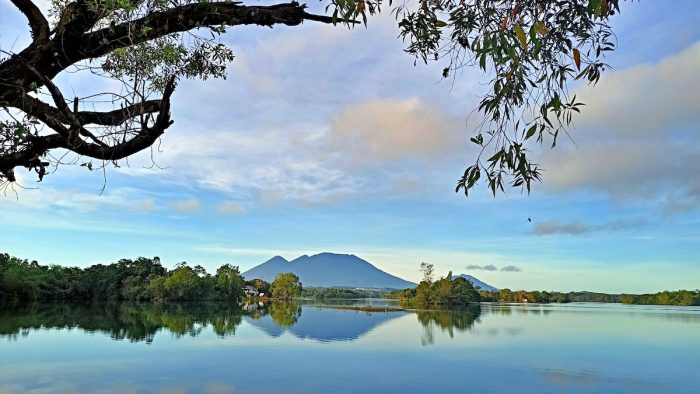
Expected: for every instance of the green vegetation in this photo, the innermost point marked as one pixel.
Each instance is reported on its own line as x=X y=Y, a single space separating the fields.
x=286 y=286
x=444 y=291
x=680 y=297
x=339 y=292
x=142 y=279
x=262 y=286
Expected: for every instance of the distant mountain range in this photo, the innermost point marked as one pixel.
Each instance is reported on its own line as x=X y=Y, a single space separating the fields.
x=329 y=270
x=338 y=270
x=476 y=282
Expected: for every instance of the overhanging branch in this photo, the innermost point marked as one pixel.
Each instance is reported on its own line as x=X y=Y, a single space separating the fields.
x=193 y=16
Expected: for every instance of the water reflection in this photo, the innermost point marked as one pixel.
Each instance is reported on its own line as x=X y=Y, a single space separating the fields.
x=448 y=321
x=317 y=323
x=122 y=321
x=141 y=322
x=298 y=347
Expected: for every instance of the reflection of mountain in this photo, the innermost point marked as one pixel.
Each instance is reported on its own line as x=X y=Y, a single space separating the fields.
x=325 y=324
x=329 y=270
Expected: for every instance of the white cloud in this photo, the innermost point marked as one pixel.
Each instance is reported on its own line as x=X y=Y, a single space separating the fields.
x=378 y=130
x=230 y=208
x=648 y=98
x=188 y=206
x=70 y=200
x=637 y=137
x=578 y=227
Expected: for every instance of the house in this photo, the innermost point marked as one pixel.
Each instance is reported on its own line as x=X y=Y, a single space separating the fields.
x=250 y=290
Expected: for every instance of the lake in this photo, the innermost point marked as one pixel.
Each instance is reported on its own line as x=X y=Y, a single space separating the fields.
x=305 y=348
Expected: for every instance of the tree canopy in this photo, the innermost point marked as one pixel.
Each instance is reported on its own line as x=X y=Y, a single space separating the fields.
x=529 y=51
x=286 y=286
x=142 y=279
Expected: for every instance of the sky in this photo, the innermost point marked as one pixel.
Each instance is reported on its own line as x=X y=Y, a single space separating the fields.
x=324 y=139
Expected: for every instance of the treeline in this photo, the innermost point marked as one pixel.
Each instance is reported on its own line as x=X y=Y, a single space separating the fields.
x=142 y=279
x=444 y=291
x=333 y=292
x=681 y=297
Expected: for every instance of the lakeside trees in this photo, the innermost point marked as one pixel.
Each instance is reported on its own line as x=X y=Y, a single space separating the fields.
x=142 y=279
x=335 y=292
x=444 y=291
x=680 y=297
x=529 y=51
x=286 y=286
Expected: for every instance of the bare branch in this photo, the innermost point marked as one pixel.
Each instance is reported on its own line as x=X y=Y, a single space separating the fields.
x=145 y=138
x=33 y=106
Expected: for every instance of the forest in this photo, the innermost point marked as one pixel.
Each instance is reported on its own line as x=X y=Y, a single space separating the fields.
x=143 y=279
x=679 y=297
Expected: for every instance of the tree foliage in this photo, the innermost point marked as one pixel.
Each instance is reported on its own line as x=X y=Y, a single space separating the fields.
x=444 y=291
x=142 y=279
x=680 y=297
x=286 y=286
x=529 y=50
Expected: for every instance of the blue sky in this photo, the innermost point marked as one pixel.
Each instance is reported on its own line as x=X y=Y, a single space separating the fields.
x=325 y=139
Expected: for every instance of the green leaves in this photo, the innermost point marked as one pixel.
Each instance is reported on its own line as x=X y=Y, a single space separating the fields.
x=530 y=51
x=521 y=35
x=531 y=131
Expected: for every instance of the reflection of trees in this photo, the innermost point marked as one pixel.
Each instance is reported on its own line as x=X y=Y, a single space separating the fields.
x=462 y=319
x=285 y=313
x=135 y=322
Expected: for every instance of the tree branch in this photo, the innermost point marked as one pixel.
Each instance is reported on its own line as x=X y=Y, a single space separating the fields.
x=193 y=16
x=39 y=145
x=34 y=106
x=145 y=138
x=37 y=21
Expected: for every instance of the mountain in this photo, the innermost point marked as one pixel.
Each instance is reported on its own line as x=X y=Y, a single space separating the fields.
x=329 y=270
x=476 y=282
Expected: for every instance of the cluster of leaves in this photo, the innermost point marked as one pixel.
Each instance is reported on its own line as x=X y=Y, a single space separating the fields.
x=286 y=286
x=156 y=62
x=142 y=279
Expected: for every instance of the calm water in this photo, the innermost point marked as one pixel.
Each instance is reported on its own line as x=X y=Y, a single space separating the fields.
x=299 y=348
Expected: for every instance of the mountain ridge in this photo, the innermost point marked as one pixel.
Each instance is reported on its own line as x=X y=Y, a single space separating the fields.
x=476 y=282
x=329 y=270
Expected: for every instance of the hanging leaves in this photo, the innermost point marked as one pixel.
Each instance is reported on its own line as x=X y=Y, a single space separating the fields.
x=521 y=35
